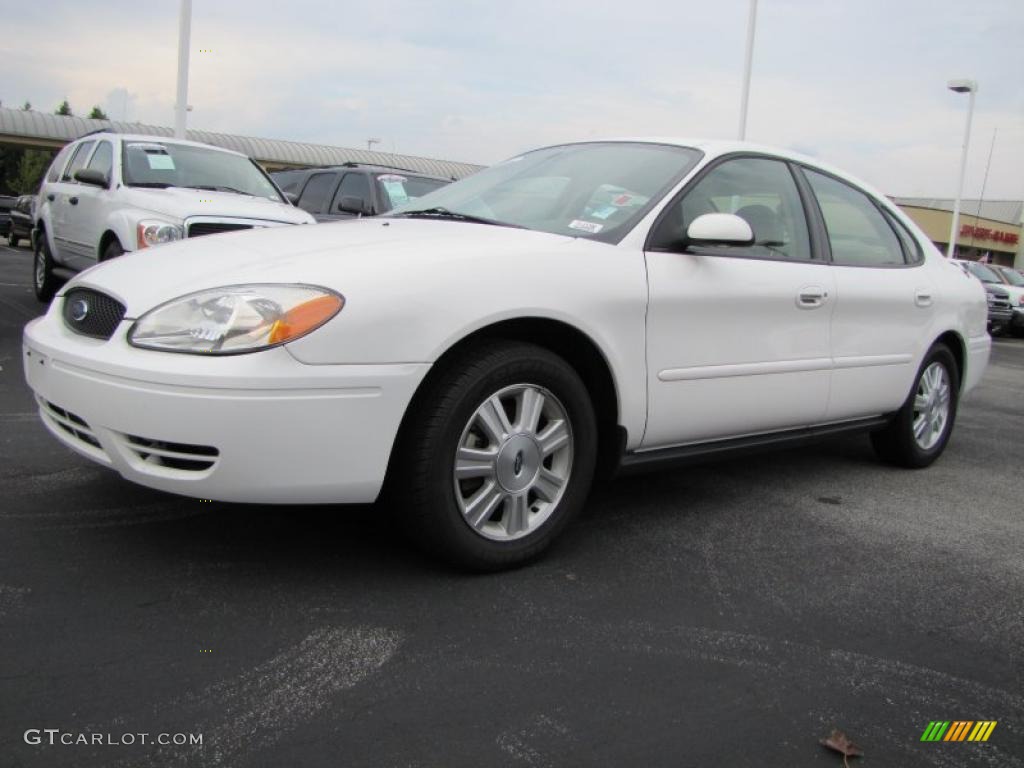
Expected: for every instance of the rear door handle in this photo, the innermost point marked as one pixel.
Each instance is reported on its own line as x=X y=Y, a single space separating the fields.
x=811 y=297
x=73 y=200
x=923 y=298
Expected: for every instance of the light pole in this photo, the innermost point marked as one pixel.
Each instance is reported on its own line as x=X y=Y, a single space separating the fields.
x=969 y=87
x=745 y=96
x=184 y=35
x=371 y=142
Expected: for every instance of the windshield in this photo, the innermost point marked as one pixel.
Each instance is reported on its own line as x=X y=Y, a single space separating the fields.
x=598 y=190
x=399 y=188
x=166 y=164
x=983 y=273
x=1013 y=277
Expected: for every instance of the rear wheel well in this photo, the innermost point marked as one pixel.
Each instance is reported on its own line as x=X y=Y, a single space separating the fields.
x=573 y=346
x=955 y=343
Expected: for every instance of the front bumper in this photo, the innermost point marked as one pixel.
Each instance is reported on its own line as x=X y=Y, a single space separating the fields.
x=249 y=428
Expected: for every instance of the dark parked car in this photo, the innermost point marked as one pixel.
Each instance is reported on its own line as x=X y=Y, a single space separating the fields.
x=1000 y=310
x=6 y=203
x=353 y=189
x=21 y=220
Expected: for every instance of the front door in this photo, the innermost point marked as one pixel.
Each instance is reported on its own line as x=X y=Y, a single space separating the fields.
x=85 y=219
x=737 y=337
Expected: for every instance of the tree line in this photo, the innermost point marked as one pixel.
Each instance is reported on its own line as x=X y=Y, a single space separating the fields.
x=21 y=169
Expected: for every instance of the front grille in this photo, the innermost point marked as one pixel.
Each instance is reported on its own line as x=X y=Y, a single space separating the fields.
x=199 y=228
x=181 y=456
x=92 y=313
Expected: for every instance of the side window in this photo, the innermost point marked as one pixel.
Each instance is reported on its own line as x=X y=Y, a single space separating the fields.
x=759 y=190
x=353 y=185
x=103 y=159
x=317 y=191
x=859 y=234
x=911 y=248
x=58 y=164
x=78 y=161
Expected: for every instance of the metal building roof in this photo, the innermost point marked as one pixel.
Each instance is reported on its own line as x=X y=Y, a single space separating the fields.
x=1009 y=211
x=42 y=129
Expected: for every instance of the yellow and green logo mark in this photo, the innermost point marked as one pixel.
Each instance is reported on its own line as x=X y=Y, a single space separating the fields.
x=958 y=730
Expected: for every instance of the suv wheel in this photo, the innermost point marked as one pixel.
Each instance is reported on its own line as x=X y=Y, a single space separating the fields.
x=920 y=430
x=500 y=457
x=112 y=251
x=12 y=239
x=44 y=281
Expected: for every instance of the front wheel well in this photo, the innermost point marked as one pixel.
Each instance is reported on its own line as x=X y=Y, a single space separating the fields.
x=108 y=237
x=573 y=346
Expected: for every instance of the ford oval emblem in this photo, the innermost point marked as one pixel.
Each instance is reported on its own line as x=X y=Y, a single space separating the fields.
x=79 y=310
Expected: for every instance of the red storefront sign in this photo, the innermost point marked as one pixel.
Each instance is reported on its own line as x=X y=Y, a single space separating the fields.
x=986 y=233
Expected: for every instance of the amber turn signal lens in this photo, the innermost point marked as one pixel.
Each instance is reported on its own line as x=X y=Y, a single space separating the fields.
x=305 y=317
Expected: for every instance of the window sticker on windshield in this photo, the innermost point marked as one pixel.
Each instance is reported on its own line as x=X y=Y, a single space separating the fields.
x=622 y=200
x=396 y=191
x=386 y=177
x=604 y=212
x=587 y=226
x=160 y=162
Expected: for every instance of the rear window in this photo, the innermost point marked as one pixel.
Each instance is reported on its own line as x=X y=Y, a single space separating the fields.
x=58 y=163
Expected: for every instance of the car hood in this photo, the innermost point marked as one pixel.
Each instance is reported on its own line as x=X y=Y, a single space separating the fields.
x=180 y=203
x=365 y=253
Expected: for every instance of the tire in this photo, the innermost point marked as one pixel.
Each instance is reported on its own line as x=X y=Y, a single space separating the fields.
x=529 y=476
x=112 y=251
x=44 y=281
x=897 y=443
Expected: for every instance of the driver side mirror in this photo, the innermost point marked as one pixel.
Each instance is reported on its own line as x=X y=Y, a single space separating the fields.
x=719 y=229
x=93 y=177
x=353 y=204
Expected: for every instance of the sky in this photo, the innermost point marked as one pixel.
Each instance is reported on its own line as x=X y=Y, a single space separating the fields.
x=857 y=83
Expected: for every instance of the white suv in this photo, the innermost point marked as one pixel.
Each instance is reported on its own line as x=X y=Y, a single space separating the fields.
x=109 y=193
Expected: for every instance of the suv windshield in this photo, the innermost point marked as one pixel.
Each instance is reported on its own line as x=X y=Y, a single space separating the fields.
x=983 y=273
x=166 y=164
x=597 y=190
x=1012 y=277
x=400 y=188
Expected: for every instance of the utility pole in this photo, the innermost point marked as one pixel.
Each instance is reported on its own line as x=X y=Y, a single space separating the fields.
x=745 y=96
x=184 y=41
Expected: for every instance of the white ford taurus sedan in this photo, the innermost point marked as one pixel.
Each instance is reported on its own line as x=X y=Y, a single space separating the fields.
x=482 y=353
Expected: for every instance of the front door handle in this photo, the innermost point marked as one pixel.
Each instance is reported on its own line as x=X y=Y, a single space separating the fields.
x=923 y=298
x=73 y=201
x=811 y=297
x=51 y=197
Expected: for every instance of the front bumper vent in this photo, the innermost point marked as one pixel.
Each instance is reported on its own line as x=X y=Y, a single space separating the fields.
x=181 y=456
x=75 y=427
x=92 y=313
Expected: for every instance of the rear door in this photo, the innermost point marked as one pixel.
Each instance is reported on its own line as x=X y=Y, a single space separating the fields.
x=317 y=193
x=738 y=337
x=884 y=300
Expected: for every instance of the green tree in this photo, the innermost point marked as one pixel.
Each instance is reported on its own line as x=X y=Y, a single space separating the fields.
x=31 y=168
x=64 y=109
x=98 y=114
x=27 y=106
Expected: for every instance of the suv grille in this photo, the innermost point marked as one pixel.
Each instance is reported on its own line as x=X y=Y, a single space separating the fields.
x=200 y=228
x=92 y=313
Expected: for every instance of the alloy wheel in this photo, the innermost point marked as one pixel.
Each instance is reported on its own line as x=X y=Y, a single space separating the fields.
x=513 y=462
x=931 y=406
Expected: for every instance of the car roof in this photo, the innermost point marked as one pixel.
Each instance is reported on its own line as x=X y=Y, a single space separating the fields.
x=149 y=138
x=368 y=166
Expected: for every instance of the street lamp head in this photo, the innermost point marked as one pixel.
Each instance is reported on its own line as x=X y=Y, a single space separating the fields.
x=962 y=86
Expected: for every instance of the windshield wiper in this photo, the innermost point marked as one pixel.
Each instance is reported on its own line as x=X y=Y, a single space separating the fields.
x=444 y=213
x=219 y=188
x=151 y=184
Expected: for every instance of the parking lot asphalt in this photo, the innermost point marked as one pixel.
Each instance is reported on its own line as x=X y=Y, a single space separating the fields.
x=729 y=614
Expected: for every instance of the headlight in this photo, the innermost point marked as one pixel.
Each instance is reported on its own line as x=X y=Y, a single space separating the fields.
x=235 y=319
x=154 y=232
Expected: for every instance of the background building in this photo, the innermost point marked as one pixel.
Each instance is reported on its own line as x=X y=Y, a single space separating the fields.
x=989 y=229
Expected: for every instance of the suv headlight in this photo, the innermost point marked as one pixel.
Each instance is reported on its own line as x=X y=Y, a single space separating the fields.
x=153 y=232
x=235 y=319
